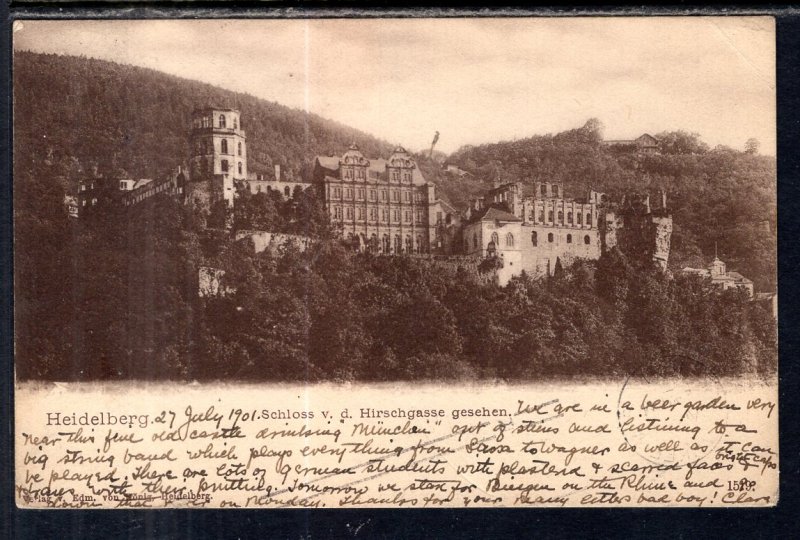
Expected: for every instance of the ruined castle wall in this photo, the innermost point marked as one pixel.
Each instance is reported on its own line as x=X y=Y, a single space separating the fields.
x=541 y=246
x=272 y=241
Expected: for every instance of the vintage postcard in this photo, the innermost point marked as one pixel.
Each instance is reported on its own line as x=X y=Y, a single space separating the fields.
x=411 y=262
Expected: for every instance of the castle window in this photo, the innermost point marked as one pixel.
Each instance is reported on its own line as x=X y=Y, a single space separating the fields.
x=395 y=176
x=222 y=120
x=569 y=239
x=541 y=216
x=569 y=218
x=224 y=165
x=587 y=240
x=349 y=213
x=383 y=195
x=588 y=220
x=561 y=217
x=387 y=245
x=348 y=174
x=510 y=240
x=372 y=195
x=239 y=148
x=224 y=144
x=337 y=212
x=409 y=245
x=360 y=174
x=348 y=193
x=408 y=216
x=337 y=193
x=534 y=238
x=495 y=239
x=407 y=196
x=419 y=216
x=580 y=218
x=360 y=214
x=550 y=237
x=240 y=167
x=384 y=216
x=373 y=214
x=395 y=196
x=286 y=192
x=398 y=245
x=550 y=216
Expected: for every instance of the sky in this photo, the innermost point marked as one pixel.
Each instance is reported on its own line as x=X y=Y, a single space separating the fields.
x=475 y=80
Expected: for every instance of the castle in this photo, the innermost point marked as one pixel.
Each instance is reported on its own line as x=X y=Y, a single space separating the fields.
x=386 y=206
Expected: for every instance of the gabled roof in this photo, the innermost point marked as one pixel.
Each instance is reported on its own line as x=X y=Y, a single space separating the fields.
x=491 y=213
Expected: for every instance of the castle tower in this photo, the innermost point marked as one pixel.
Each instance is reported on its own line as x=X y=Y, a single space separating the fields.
x=218 y=151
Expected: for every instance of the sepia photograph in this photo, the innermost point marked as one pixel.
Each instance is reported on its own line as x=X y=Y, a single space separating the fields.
x=414 y=221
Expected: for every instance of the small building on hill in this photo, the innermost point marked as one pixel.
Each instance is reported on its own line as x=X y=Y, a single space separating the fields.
x=721 y=277
x=646 y=144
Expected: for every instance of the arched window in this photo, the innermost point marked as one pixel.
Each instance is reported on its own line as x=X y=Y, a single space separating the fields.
x=495 y=239
x=541 y=216
x=222 y=120
x=569 y=239
x=588 y=220
x=287 y=192
x=580 y=218
x=550 y=237
x=587 y=240
x=569 y=218
x=224 y=165
x=509 y=240
x=239 y=148
x=224 y=146
x=550 y=216
x=240 y=167
x=560 y=217
x=534 y=238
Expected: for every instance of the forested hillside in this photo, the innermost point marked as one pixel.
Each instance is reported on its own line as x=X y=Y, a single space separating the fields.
x=718 y=196
x=79 y=113
x=115 y=295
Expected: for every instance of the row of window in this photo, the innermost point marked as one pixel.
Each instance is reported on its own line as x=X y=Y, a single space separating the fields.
x=224 y=165
x=388 y=245
x=359 y=213
x=208 y=121
x=359 y=173
x=359 y=193
x=207 y=147
x=509 y=240
x=578 y=218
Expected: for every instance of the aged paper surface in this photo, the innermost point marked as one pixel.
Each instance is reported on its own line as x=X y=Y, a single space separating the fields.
x=604 y=444
x=555 y=287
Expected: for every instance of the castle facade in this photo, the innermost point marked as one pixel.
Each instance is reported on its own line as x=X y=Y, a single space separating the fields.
x=381 y=205
x=537 y=232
